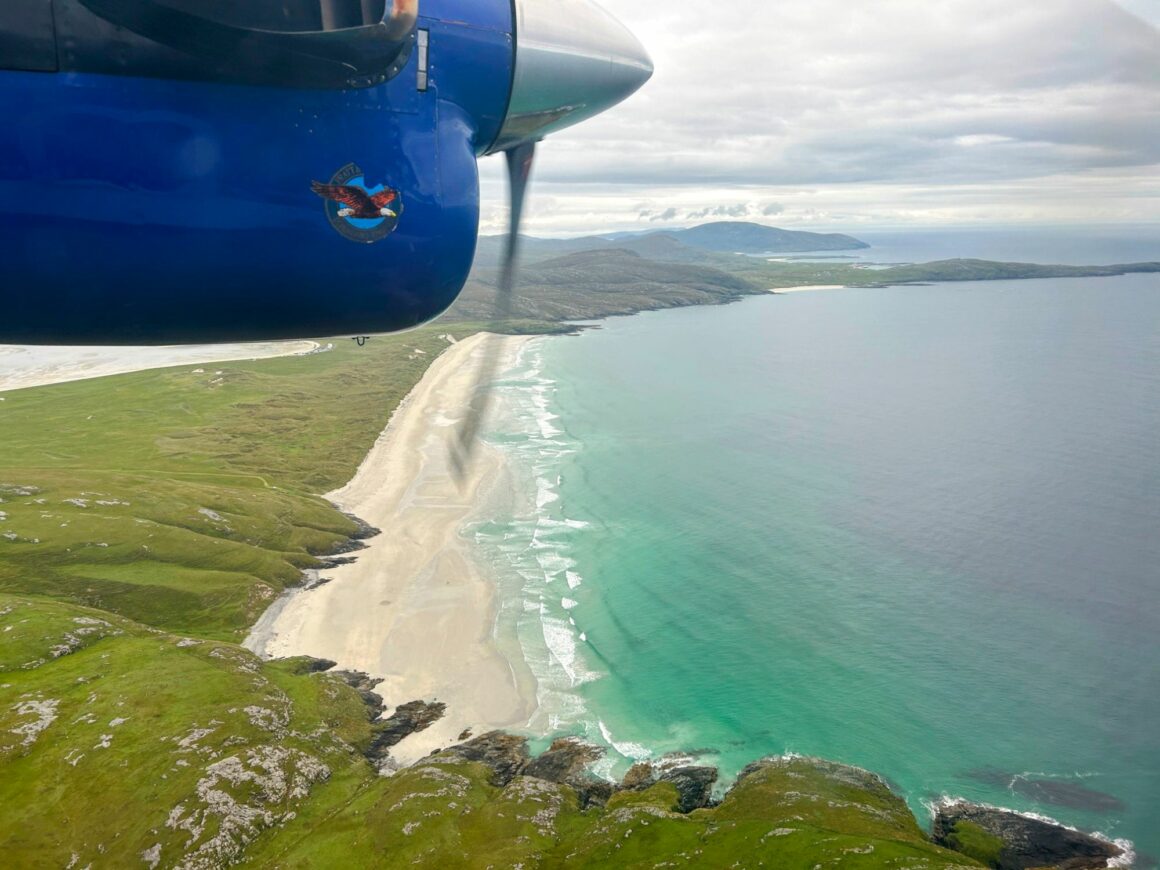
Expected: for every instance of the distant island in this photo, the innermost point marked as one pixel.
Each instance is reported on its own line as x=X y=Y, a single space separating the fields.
x=749 y=238
x=727 y=237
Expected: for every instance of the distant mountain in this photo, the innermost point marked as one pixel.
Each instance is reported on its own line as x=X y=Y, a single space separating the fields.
x=678 y=246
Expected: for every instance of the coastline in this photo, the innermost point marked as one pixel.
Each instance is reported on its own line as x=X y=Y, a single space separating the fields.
x=23 y=366
x=806 y=288
x=413 y=610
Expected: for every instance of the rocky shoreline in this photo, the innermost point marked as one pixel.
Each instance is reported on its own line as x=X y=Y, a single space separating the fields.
x=1010 y=841
x=998 y=838
x=1019 y=842
x=262 y=631
x=337 y=555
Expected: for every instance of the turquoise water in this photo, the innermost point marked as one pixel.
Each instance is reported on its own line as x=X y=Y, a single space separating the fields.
x=915 y=529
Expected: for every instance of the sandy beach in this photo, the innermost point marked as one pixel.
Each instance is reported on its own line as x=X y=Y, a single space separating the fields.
x=34 y=366
x=412 y=609
x=808 y=288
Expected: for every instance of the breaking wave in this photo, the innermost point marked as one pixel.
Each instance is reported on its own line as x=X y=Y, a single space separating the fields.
x=531 y=552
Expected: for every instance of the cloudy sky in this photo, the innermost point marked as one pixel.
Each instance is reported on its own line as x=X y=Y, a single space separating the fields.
x=845 y=114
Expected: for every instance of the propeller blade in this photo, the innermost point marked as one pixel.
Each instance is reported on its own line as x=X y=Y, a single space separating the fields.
x=519 y=166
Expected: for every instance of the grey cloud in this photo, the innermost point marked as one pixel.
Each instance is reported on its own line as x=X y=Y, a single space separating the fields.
x=735 y=211
x=889 y=95
x=902 y=94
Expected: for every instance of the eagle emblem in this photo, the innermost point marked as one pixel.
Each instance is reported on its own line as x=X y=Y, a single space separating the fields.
x=357 y=211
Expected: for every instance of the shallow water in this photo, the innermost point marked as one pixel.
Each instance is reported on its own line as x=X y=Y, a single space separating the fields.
x=914 y=529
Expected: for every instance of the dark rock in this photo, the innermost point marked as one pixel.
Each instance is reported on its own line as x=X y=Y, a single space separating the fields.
x=409 y=718
x=364 y=685
x=593 y=791
x=465 y=734
x=365 y=529
x=352 y=543
x=1026 y=842
x=694 y=785
x=639 y=777
x=335 y=561
x=566 y=761
x=694 y=782
x=855 y=777
x=505 y=754
x=310 y=665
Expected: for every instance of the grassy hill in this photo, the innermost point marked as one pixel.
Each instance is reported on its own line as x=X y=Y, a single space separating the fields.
x=187 y=498
x=593 y=284
x=122 y=746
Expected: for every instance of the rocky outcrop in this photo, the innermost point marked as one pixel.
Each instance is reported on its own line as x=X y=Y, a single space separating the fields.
x=310 y=665
x=505 y=754
x=1027 y=842
x=336 y=555
x=843 y=774
x=694 y=782
x=364 y=684
x=566 y=761
x=694 y=785
x=409 y=718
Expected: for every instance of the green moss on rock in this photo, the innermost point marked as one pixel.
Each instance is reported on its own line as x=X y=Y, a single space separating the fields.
x=971 y=840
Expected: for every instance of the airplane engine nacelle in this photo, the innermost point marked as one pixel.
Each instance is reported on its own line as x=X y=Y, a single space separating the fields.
x=180 y=171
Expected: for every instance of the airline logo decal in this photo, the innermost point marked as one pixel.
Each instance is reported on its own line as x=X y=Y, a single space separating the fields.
x=356 y=210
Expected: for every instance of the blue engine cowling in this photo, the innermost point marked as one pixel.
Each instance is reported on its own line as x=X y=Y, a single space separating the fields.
x=168 y=176
x=149 y=210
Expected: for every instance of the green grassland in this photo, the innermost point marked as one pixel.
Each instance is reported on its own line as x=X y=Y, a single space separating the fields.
x=447 y=812
x=116 y=738
x=187 y=498
x=123 y=745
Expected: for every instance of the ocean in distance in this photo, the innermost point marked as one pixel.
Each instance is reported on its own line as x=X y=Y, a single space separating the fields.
x=915 y=529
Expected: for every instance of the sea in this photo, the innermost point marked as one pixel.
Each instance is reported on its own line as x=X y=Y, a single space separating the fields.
x=914 y=529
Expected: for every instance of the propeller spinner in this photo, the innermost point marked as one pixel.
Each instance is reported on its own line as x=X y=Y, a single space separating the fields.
x=573 y=60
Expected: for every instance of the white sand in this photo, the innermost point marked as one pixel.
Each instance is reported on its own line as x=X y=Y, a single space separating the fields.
x=807 y=287
x=413 y=609
x=33 y=366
